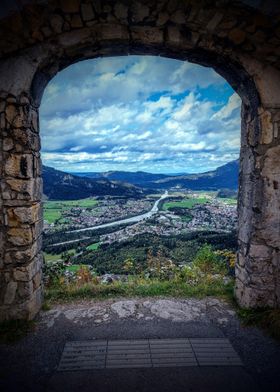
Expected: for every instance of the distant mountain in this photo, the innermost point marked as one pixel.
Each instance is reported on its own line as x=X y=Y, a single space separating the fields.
x=225 y=176
x=58 y=185
x=138 y=178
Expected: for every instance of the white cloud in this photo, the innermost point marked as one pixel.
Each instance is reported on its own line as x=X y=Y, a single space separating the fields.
x=124 y=115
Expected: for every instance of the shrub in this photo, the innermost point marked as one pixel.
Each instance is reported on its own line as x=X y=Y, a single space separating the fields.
x=53 y=270
x=208 y=261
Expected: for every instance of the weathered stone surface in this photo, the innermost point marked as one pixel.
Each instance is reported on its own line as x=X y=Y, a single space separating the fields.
x=71 y=6
x=124 y=308
x=121 y=11
x=19 y=215
x=10 y=293
x=26 y=273
x=19 y=166
x=26 y=189
x=237 y=36
x=76 y=21
x=148 y=35
x=266 y=127
x=87 y=12
x=20 y=236
x=56 y=23
x=139 y=11
x=260 y=251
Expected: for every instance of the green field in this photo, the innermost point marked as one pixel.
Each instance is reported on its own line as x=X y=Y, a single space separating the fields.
x=93 y=246
x=53 y=208
x=229 y=201
x=51 y=215
x=186 y=203
x=75 y=267
x=51 y=257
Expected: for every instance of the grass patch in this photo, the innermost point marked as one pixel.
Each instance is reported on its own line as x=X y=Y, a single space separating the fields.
x=52 y=215
x=13 y=330
x=49 y=257
x=186 y=203
x=53 y=208
x=93 y=246
x=75 y=267
x=138 y=287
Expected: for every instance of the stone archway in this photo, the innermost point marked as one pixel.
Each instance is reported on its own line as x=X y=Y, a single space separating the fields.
x=239 y=42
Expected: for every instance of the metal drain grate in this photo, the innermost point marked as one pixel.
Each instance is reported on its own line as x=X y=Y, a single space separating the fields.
x=101 y=354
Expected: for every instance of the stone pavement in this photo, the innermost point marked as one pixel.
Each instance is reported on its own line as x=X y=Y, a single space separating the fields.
x=32 y=363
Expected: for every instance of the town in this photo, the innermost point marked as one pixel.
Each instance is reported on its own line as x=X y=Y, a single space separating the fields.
x=121 y=219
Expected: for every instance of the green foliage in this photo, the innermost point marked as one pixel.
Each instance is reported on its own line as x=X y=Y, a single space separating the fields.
x=265 y=318
x=159 y=265
x=53 y=270
x=208 y=261
x=129 y=265
x=139 y=286
x=93 y=246
x=189 y=202
x=13 y=330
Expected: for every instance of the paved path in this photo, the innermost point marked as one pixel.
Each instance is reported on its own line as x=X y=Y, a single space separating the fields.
x=32 y=364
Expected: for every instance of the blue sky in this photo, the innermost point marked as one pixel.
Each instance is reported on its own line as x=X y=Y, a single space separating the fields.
x=139 y=113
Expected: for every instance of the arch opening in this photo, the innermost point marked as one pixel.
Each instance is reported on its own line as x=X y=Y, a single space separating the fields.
x=151 y=133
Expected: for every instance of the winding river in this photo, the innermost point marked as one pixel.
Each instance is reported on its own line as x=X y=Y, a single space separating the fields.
x=133 y=219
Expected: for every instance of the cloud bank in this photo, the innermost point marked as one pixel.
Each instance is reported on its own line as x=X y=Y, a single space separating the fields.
x=139 y=113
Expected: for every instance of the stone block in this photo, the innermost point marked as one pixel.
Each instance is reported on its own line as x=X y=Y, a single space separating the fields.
x=178 y=17
x=25 y=255
x=213 y=23
x=8 y=144
x=24 y=290
x=266 y=128
x=26 y=189
x=147 y=35
x=37 y=280
x=237 y=36
x=139 y=11
x=260 y=251
x=251 y=297
x=71 y=6
x=20 y=165
x=111 y=32
x=76 y=22
x=19 y=215
x=20 y=236
x=271 y=162
x=10 y=293
x=56 y=23
x=267 y=81
x=163 y=17
x=121 y=11
x=87 y=12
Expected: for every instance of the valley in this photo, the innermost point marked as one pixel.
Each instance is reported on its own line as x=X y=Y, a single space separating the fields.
x=126 y=217
x=87 y=229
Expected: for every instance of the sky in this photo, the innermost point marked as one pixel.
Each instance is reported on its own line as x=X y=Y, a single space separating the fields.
x=139 y=113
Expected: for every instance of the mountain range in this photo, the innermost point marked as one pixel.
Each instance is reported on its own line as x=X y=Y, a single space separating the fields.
x=61 y=185
x=58 y=185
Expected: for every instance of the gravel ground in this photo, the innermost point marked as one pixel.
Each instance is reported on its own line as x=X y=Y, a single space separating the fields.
x=30 y=364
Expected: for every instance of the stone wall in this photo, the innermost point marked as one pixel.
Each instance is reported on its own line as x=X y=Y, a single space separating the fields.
x=239 y=42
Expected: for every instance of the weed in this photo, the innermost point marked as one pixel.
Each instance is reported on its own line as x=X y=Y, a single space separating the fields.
x=13 y=330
